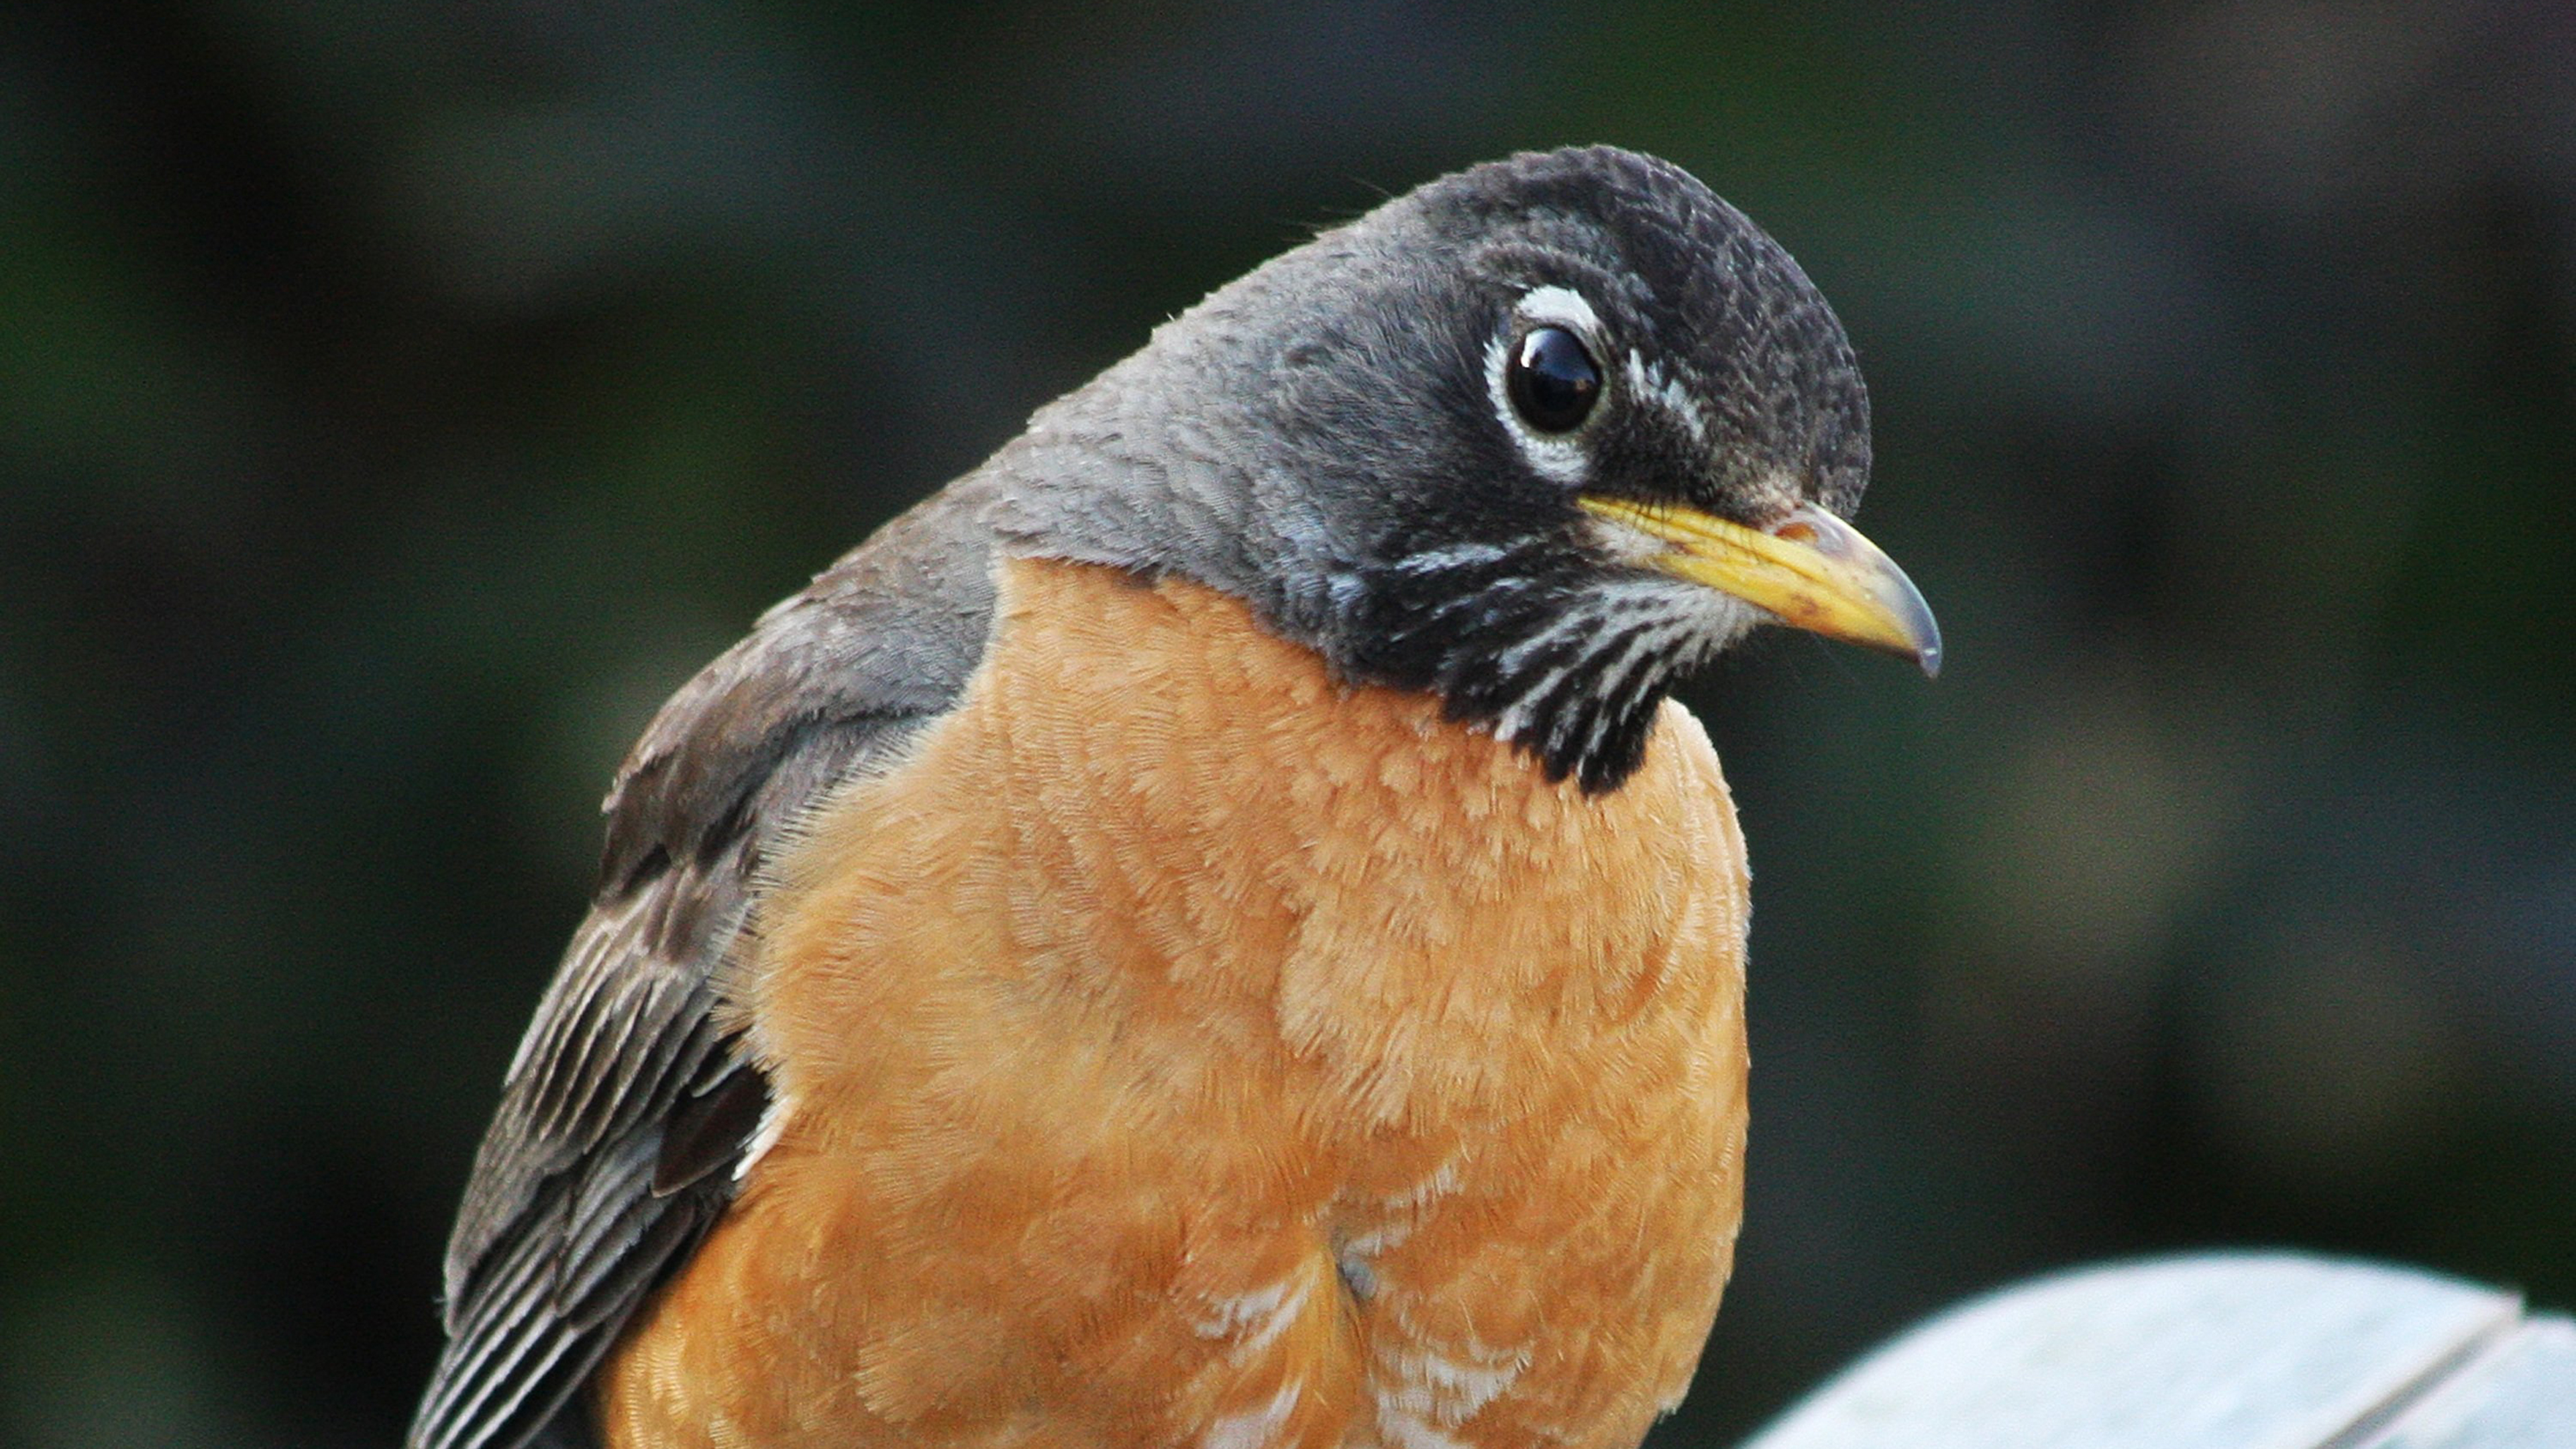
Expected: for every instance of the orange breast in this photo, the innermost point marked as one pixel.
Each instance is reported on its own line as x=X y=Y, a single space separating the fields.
x=1177 y=1046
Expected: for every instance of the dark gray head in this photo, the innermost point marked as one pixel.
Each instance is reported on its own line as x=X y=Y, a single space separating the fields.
x=1505 y=438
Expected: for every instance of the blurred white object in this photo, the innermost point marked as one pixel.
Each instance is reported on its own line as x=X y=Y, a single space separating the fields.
x=2213 y=1351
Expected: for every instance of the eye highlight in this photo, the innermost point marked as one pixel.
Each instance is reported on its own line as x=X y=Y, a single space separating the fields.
x=1552 y=380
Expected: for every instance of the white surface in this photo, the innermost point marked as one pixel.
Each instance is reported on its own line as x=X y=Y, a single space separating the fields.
x=2218 y=1351
x=2523 y=1393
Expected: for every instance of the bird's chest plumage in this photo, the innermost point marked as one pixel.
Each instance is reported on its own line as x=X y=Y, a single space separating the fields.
x=1179 y=1046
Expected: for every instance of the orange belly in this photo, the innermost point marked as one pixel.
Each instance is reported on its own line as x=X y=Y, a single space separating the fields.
x=1177 y=1046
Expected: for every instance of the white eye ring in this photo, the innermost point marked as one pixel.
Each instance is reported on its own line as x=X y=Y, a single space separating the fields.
x=1561 y=307
x=1559 y=458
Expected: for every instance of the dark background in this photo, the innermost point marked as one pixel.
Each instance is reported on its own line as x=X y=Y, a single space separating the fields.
x=399 y=397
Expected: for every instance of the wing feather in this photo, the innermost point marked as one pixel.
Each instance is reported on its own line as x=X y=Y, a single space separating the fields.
x=627 y=1103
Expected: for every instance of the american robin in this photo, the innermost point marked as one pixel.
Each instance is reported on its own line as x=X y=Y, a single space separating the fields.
x=1209 y=930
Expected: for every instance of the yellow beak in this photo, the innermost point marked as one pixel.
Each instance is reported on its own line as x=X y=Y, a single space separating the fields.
x=1811 y=569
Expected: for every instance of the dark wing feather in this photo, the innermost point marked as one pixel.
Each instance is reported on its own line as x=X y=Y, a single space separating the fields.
x=628 y=1105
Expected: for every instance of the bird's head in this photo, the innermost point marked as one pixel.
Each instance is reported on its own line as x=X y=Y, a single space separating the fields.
x=1541 y=437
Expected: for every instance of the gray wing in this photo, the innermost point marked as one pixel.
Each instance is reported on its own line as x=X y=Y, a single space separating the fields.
x=628 y=1105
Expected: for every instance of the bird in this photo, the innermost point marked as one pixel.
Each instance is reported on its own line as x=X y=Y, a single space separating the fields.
x=1211 y=928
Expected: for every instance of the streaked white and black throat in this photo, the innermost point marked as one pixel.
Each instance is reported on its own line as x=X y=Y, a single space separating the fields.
x=1544 y=649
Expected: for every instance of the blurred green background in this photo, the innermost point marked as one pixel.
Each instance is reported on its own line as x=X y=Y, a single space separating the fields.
x=398 y=398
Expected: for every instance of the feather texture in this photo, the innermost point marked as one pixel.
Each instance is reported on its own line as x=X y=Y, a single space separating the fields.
x=629 y=1100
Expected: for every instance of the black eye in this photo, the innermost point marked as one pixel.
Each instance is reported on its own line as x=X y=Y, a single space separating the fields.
x=1552 y=380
